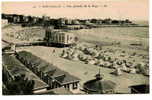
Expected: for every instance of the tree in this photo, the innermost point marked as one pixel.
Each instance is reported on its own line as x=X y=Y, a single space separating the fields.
x=20 y=86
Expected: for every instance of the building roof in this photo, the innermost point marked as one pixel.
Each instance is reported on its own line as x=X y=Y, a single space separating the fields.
x=5 y=45
x=46 y=69
x=52 y=71
x=15 y=68
x=99 y=86
x=143 y=88
x=56 y=91
x=66 y=78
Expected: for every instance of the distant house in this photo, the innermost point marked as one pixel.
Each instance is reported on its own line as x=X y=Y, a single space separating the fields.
x=35 y=20
x=107 y=21
x=45 y=18
x=61 y=21
x=68 y=21
x=127 y=21
x=13 y=67
x=84 y=21
x=27 y=19
x=75 y=22
x=94 y=21
x=87 y=22
x=115 y=21
x=4 y=22
x=49 y=73
x=121 y=22
x=20 y=19
x=17 y=18
x=99 y=22
x=10 y=18
x=3 y=16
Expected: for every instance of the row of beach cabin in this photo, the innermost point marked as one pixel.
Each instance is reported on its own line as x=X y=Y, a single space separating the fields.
x=49 y=73
x=45 y=75
x=13 y=67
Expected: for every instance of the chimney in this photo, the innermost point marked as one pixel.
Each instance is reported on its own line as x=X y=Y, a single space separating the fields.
x=99 y=76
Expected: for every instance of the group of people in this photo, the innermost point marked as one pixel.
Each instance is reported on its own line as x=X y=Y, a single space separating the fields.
x=118 y=59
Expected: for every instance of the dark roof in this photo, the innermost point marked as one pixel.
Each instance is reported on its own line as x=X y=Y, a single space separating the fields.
x=35 y=63
x=143 y=88
x=57 y=91
x=51 y=72
x=66 y=78
x=97 y=85
x=15 y=68
x=57 y=72
x=42 y=65
x=5 y=45
x=11 y=62
x=45 y=67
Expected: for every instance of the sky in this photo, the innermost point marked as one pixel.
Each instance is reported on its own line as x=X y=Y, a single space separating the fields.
x=115 y=9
